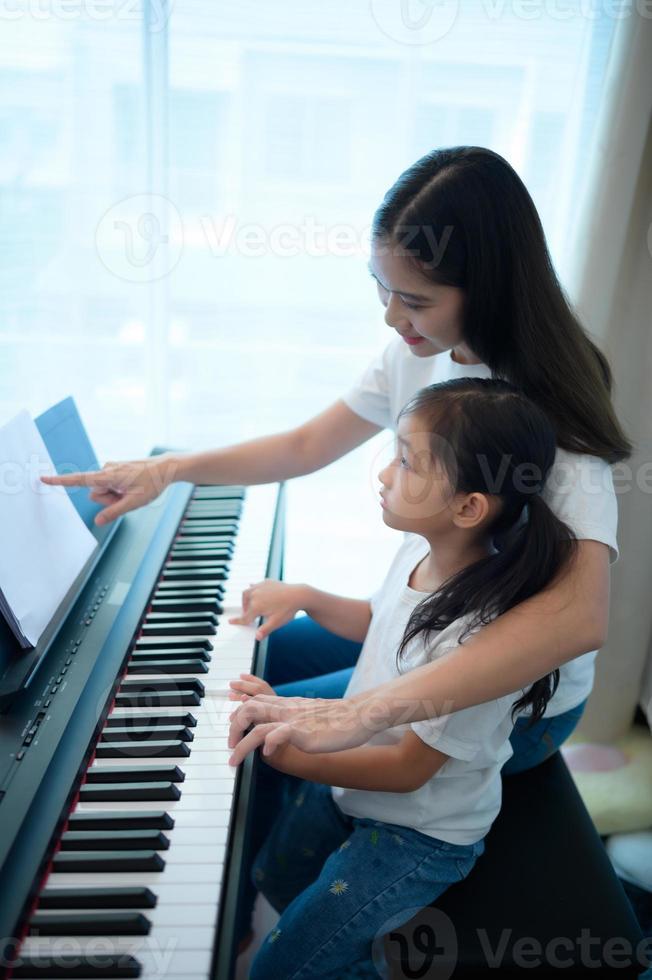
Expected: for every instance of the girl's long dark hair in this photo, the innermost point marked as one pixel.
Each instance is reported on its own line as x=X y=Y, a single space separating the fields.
x=463 y=217
x=491 y=439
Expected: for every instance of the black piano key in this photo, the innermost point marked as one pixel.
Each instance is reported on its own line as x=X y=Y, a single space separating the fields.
x=83 y=862
x=190 y=628
x=114 y=840
x=172 y=644
x=152 y=699
x=144 y=732
x=145 y=687
x=77 y=966
x=191 y=604
x=130 y=897
x=114 y=792
x=117 y=819
x=185 y=719
x=139 y=656
x=138 y=666
x=193 y=529
x=133 y=774
x=180 y=615
x=203 y=551
x=89 y=924
x=135 y=733
x=153 y=749
x=165 y=589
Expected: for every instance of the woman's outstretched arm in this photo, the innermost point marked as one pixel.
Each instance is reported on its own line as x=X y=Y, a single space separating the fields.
x=563 y=621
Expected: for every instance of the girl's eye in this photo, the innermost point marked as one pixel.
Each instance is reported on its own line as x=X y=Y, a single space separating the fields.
x=404 y=462
x=410 y=306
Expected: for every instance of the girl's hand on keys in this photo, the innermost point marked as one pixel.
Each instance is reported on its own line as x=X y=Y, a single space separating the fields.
x=310 y=724
x=248 y=686
x=278 y=602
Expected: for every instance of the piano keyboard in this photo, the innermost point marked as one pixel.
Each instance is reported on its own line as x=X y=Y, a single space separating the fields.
x=135 y=886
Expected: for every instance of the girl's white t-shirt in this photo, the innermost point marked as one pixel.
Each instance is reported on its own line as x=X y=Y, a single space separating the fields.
x=579 y=488
x=460 y=802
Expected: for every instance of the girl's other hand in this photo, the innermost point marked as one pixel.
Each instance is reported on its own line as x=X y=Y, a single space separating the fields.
x=248 y=686
x=278 y=602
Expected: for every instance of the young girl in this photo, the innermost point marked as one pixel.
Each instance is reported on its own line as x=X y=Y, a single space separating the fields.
x=407 y=812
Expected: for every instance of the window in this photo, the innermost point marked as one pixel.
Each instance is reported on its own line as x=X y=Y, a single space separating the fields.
x=268 y=134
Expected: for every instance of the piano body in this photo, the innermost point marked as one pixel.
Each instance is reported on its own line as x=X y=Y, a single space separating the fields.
x=122 y=827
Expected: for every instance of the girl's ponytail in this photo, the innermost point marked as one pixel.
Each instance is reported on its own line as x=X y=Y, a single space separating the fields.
x=484 y=423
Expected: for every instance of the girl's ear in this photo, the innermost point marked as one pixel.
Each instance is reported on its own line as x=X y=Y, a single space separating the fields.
x=472 y=510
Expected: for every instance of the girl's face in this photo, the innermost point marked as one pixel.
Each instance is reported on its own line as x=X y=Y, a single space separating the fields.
x=416 y=493
x=427 y=316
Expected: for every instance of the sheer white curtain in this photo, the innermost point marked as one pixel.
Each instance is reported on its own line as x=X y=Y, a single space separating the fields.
x=186 y=191
x=612 y=284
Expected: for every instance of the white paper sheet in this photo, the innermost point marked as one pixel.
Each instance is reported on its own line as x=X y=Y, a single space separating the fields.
x=44 y=543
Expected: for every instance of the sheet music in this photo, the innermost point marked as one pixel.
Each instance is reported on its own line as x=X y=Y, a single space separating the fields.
x=44 y=544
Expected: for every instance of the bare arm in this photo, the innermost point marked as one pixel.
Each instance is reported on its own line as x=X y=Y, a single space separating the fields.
x=399 y=768
x=121 y=487
x=279 y=602
x=348 y=618
x=561 y=622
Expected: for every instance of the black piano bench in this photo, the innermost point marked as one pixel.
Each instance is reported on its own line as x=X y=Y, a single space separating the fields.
x=543 y=899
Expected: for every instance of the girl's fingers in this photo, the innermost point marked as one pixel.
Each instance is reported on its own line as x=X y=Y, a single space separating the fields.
x=279 y=734
x=251 y=741
x=271 y=624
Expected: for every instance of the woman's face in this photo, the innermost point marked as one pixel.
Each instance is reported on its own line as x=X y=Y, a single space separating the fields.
x=427 y=316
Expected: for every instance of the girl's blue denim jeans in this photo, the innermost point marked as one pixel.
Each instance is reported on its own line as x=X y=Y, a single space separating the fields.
x=338 y=882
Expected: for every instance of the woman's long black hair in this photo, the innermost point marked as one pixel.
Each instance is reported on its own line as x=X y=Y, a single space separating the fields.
x=463 y=217
x=491 y=439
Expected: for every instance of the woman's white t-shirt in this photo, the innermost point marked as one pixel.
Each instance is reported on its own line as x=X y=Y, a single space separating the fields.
x=579 y=488
x=460 y=802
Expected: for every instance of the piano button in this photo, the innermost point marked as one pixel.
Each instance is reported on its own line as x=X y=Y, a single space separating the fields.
x=99 y=964
x=124 y=721
x=144 y=732
x=83 y=862
x=104 y=792
x=117 y=819
x=132 y=840
x=97 y=898
x=89 y=924
x=153 y=748
x=155 y=700
x=179 y=628
x=133 y=774
x=137 y=666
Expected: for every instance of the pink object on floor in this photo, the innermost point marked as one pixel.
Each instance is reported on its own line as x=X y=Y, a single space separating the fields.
x=590 y=757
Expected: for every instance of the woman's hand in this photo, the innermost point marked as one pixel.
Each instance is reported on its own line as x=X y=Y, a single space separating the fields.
x=310 y=724
x=248 y=686
x=278 y=602
x=121 y=487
